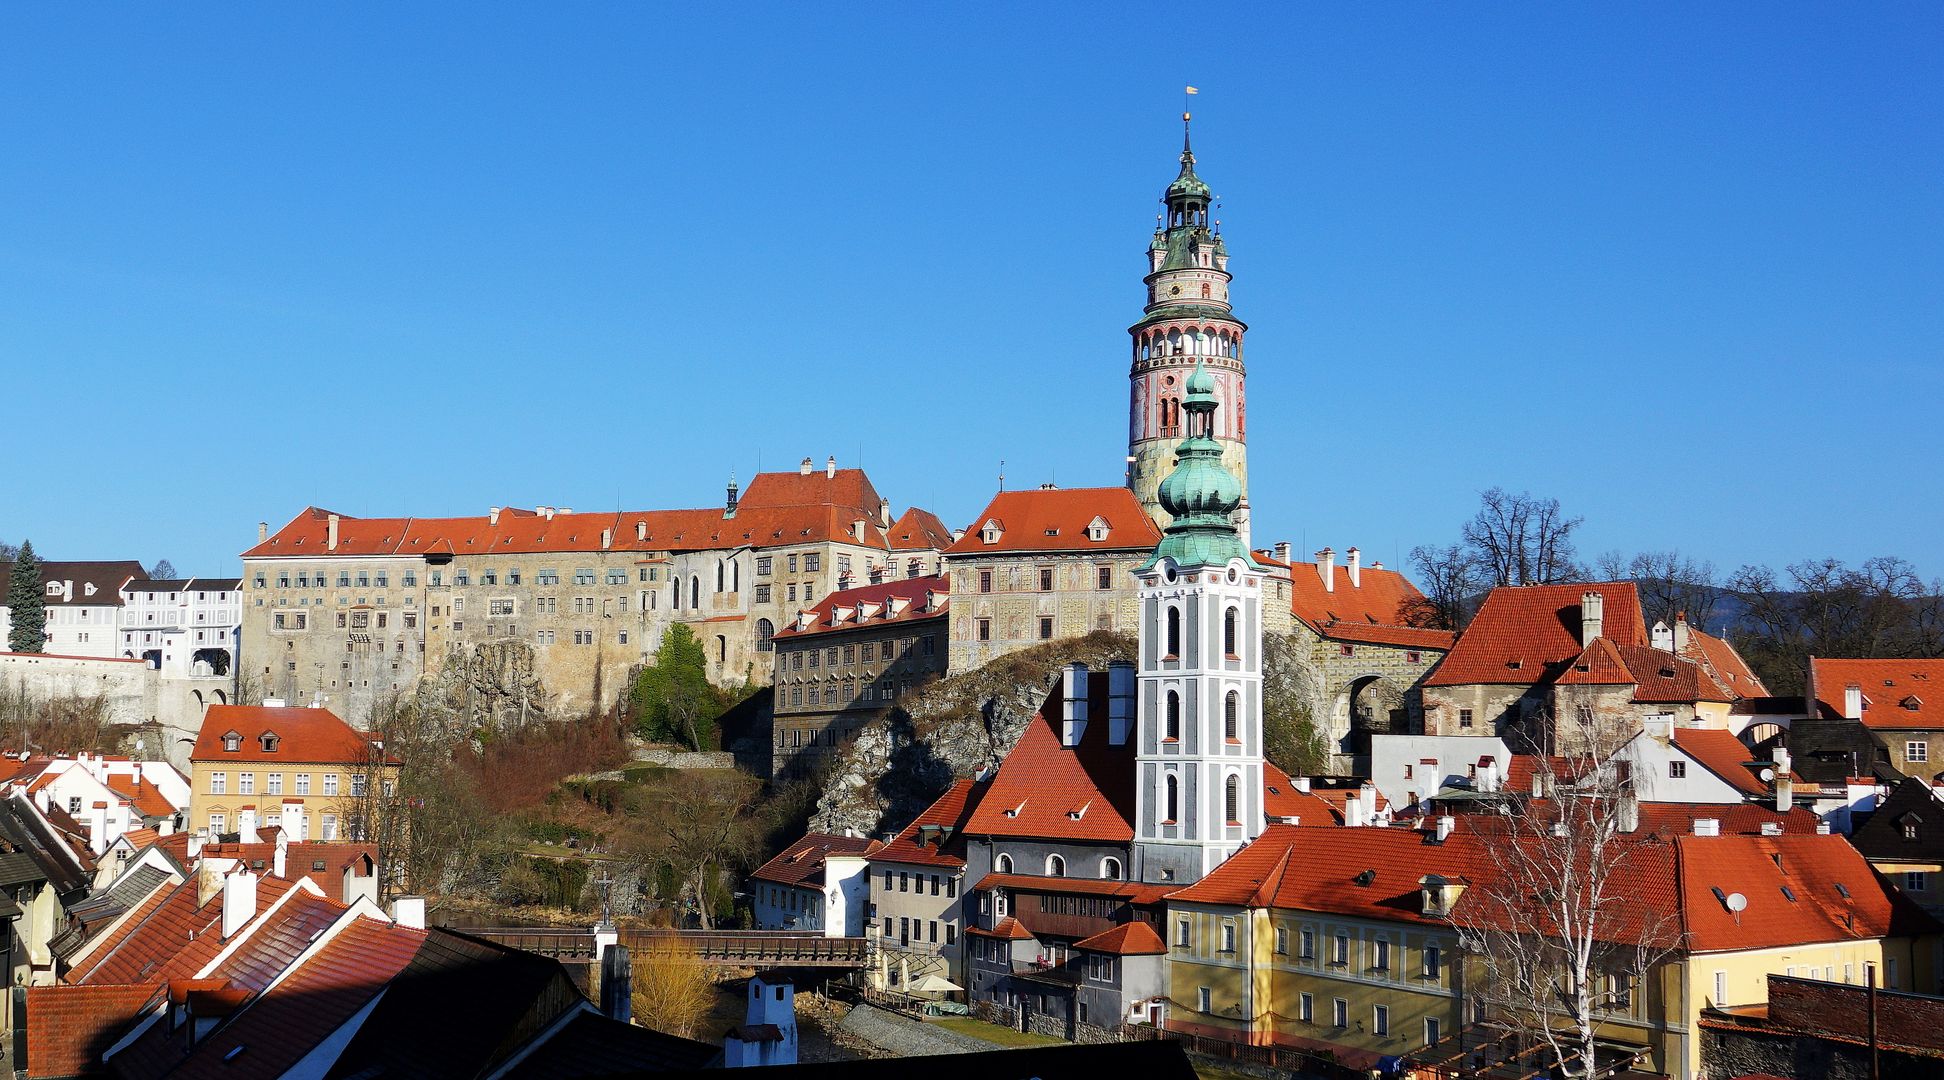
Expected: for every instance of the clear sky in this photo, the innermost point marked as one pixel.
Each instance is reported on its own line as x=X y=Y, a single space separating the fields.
x=1682 y=269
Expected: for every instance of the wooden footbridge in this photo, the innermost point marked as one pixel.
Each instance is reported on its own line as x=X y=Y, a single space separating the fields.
x=728 y=948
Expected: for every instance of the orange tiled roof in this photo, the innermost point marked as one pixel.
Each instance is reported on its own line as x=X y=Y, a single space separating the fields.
x=1724 y=665
x=918 y=530
x=1041 y=785
x=1306 y=868
x=1897 y=694
x=1006 y=929
x=1056 y=519
x=1280 y=799
x=950 y=811
x=1128 y=939
x=322 y=861
x=303 y=735
x=1657 y=676
x=1523 y=635
x=147 y=799
x=1373 y=610
x=69 y=1027
x=1723 y=755
x=1811 y=867
x=894 y=602
x=802 y=863
x=173 y=938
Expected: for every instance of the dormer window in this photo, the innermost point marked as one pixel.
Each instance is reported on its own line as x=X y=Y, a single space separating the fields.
x=1912 y=703
x=232 y=742
x=53 y=588
x=1097 y=529
x=269 y=741
x=991 y=532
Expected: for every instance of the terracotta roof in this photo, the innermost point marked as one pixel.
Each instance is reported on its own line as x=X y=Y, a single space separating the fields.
x=918 y=530
x=1724 y=665
x=1280 y=799
x=1810 y=867
x=1006 y=929
x=140 y=838
x=147 y=799
x=106 y=577
x=1658 y=677
x=170 y=936
x=1041 y=785
x=950 y=811
x=777 y=508
x=1897 y=694
x=1128 y=939
x=1375 y=610
x=1336 y=797
x=1523 y=635
x=303 y=735
x=1056 y=519
x=892 y=603
x=321 y=861
x=1723 y=755
x=1323 y=869
x=802 y=863
x=69 y=1028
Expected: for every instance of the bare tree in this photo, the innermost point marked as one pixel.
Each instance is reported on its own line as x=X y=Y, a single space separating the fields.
x=163 y=570
x=1825 y=607
x=1450 y=579
x=1556 y=924
x=1671 y=585
x=1523 y=539
x=700 y=821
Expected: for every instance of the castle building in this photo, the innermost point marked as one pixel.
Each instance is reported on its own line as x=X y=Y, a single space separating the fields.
x=84 y=605
x=1187 y=323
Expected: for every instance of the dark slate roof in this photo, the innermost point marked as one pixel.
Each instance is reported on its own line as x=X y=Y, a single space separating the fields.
x=1882 y=836
x=1831 y=751
x=194 y=584
x=591 y=1045
x=124 y=894
x=1161 y=1059
x=107 y=578
x=19 y=868
x=23 y=830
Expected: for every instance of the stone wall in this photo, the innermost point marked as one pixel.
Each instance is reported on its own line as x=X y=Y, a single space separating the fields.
x=1013 y=609
x=133 y=692
x=1343 y=675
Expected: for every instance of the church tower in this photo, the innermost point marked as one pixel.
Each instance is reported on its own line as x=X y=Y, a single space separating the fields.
x=1187 y=324
x=1198 y=754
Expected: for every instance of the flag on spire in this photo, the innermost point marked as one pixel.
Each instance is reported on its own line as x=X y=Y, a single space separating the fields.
x=1192 y=90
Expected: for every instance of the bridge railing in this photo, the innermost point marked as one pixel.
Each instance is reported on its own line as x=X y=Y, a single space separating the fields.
x=750 y=947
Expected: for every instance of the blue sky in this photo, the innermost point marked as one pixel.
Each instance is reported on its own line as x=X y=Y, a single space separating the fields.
x=1681 y=269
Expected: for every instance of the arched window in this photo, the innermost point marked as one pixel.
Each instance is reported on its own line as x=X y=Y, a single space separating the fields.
x=719 y=575
x=1055 y=866
x=695 y=591
x=1172 y=732
x=765 y=630
x=1110 y=868
x=1174 y=632
x=1171 y=801
x=1205 y=290
x=1003 y=864
x=1232 y=798
x=1229 y=619
x=675 y=600
x=735 y=576
x=1231 y=715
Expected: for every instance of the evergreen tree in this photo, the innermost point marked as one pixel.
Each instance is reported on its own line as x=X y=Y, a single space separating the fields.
x=26 y=602
x=672 y=697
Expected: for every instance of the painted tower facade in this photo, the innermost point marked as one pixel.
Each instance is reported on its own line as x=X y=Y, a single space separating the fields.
x=1187 y=323
x=1198 y=792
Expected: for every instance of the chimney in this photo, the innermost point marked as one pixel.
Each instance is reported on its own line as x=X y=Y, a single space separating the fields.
x=196 y=841
x=641 y=531
x=1282 y=552
x=1352 y=812
x=1488 y=776
x=1368 y=796
x=263 y=531
x=98 y=827
x=1073 y=715
x=804 y=467
x=280 y=859
x=1681 y=630
x=1353 y=564
x=1629 y=811
x=1784 y=789
x=1592 y=616
x=246 y=827
x=830 y=468
x=884 y=513
x=1303 y=784
x=1707 y=826
x=1852 y=702
x=409 y=912
x=1120 y=702
x=735 y=493
x=1445 y=825
x=492 y=515
x=330 y=533
x=239 y=900
x=857 y=530
x=607 y=539
x=1771 y=828
x=566 y=509
x=1326 y=568
x=1663 y=637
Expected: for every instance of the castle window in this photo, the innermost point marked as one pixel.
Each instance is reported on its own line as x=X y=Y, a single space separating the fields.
x=1046 y=628
x=1231 y=799
x=1231 y=716
x=1110 y=868
x=1104 y=577
x=1046 y=579
x=1174 y=634
x=1229 y=619
x=1172 y=799
x=1055 y=866
x=1172 y=733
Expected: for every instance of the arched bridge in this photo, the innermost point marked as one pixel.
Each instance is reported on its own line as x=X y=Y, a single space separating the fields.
x=733 y=948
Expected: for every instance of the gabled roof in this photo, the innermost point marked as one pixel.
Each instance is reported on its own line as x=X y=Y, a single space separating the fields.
x=891 y=603
x=1914 y=805
x=1898 y=695
x=69 y=1028
x=1365 y=872
x=1810 y=867
x=171 y=936
x=146 y=798
x=1281 y=799
x=1657 y=676
x=591 y=1045
x=1056 y=519
x=1128 y=939
x=1725 y=756
x=918 y=530
x=303 y=735
x=935 y=837
x=1527 y=634
x=1006 y=929
x=94 y=584
x=1371 y=610
x=321 y=861
x=1049 y=791
x=802 y=863
x=1723 y=664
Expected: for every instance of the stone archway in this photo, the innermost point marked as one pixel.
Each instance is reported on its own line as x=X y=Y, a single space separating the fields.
x=1376 y=708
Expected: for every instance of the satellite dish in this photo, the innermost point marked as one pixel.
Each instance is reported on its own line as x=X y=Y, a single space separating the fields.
x=1737 y=903
x=1768 y=775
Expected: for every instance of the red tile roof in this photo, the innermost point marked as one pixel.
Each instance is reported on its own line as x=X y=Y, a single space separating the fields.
x=1041 y=785
x=1006 y=929
x=1657 y=677
x=802 y=863
x=892 y=603
x=1811 y=867
x=777 y=508
x=69 y=1028
x=302 y=860
x=303 y=735
x=919 y=530
x=1306 y=868
x=147 y=799
x=1525 y=634
x=1128 y=939
x=1280 y=799
x=1724 y=665
x=1898 y=695
x=945 y=848
x=1374 y=611
x=172 y=939
x=1723 y=755
x=1056 y=519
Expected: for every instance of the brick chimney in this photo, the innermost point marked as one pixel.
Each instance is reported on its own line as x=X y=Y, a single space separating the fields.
x=1592 y=616
x=1326 y=569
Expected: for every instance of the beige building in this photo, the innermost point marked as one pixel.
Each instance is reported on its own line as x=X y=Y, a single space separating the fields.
x=918 y=896
x=1046 y=564
x=546 y=611
x=302 y=770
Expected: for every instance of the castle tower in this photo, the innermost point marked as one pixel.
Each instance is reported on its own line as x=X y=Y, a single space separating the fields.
x=1198 y=754
x=1187 y=323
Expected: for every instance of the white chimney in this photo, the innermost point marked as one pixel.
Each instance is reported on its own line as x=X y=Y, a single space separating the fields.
x=263 y=531
x=196 y=841
x=1368 y=795
x=1073 y=725
x=239 y=899
x=1445 y=825
x=1488 y=776
x=1353 y=565
x=1663 y=637
x=1352 y=812
x=492 y=515
x=1852 y=702
x=1592 y=616
x=607 y=539
x=280 y=859
x=641 y=531
x=1707 y=826
x=1784 y=790
x=409 y=912
x=330 y=533
x=1681 y=631
x=1629 y=811
x=884 y=513
x=1120 y=702
x=1282 y=552
x=830 y=468
x=1771 y=828
x=1303 y=784
x=804 y=467
x=246 y=827
x=1326 y=569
